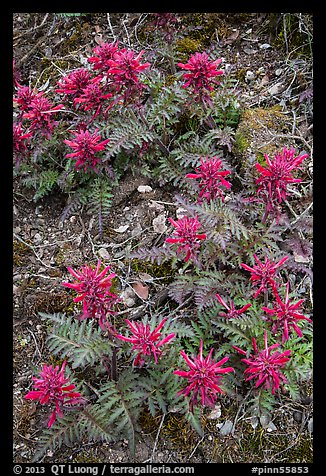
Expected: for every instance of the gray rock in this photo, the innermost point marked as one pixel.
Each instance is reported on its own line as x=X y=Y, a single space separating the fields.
x=310 y=425
x=226 y=428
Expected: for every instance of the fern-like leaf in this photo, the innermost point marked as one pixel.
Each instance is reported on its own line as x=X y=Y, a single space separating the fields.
x=79 y=341
x=99 y=203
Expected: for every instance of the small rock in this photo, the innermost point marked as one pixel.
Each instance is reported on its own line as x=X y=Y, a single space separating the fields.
x=278 y=71
x=136 y=230
x=128 y=297
x=297 y=416
x=226 y=428
x=103 y=252
x=121 y=229
x=250 y=75
x=144 y=189
x=159 y=225
x=271 y=427
x=73 y=219
x=265 y=420
x=261 y=70
x=265 y=46
x=276 y=89
x=310 y=425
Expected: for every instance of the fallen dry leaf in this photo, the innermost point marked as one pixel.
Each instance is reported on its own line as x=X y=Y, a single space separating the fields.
x=141 y=290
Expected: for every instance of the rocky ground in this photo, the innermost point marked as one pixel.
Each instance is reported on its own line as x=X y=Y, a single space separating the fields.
x=271 y=76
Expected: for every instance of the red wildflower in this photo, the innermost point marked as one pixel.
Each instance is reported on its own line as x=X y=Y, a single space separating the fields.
x=93 y=288
x=124 y=69
x=204 y=377
x=231 y=311
x=201 y=74
x=212 y=178
x=275 y=177
x=53 y=388
x=145 y=341
x=103 y=54
x=74 y=83
x=25 y=96
x=93 y=96
x=265 y=366
x=20 y=137
x=85 y=146
x=186 y=235
x=39 y=111
x=286 y=314
x=262 y=274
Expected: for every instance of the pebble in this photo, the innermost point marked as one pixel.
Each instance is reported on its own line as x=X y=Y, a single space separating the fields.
x=128 y=297
x=103 y=252
x=226 y=428
x=37 y=238
x=297 y=416
x=310 y=425
x=144 y=189
x=276 y=89
x=250 y=75
x=159 y=225
x=271 y=427
x=265 y=46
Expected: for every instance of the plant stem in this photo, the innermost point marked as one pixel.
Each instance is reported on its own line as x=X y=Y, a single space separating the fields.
x=114 y=365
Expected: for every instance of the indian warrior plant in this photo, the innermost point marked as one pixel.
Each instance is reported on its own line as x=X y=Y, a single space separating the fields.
x=120 y=107
x=143 y=364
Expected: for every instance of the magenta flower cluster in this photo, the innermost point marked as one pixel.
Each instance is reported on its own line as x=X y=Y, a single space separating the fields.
x=86 y=146
x=117 y=81
x=146 y=342
x=35 y=117
x=211 y=179
x=53 y=388
x=93 y=287
x=265 y=365
x=200 y=76
x=204 y=376
x=185 y=234
x=117 y=77
x=274 y=179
